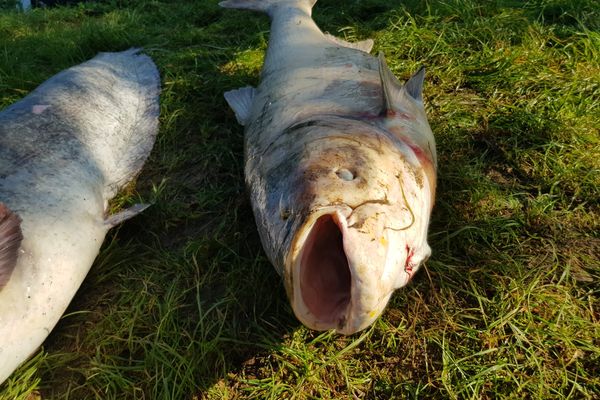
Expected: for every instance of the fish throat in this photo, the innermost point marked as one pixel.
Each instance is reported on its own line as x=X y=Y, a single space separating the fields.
x=325 y=278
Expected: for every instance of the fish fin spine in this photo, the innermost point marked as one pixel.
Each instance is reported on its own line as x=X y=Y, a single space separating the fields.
x=10 y=242
x=240 y=100
x=122 y=216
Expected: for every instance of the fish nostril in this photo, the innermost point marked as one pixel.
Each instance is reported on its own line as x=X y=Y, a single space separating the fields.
x=345 y=174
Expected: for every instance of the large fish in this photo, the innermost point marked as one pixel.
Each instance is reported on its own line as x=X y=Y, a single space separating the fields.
x=65 y=151
x=340 y=163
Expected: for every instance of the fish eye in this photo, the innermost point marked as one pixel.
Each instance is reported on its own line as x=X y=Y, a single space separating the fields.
x=345 y=174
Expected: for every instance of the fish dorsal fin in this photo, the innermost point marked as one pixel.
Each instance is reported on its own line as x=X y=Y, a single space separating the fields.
x=240 y=101
x=363 y=45
x=394 y=92
x=123 y=215
x=10 y=241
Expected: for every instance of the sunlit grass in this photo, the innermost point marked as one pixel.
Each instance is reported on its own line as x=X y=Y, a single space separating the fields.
x=182 y=303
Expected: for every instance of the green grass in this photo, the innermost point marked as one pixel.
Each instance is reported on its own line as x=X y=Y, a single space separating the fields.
x=182 y=303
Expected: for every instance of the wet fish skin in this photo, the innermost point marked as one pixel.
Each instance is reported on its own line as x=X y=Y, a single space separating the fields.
x=65 y=151
x=340 y=166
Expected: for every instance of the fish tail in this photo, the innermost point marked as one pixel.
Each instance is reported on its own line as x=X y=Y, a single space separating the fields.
x=267 y=6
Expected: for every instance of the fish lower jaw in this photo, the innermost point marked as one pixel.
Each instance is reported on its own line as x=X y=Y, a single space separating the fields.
x=325 y=291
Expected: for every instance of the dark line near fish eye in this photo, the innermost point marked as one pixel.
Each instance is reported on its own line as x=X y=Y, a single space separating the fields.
x=412 y=214
x=384 y=201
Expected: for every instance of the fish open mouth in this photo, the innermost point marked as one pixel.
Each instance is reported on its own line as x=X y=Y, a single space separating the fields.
x=324 y=273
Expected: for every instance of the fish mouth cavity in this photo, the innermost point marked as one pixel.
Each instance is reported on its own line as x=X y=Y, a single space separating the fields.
x=321 y=273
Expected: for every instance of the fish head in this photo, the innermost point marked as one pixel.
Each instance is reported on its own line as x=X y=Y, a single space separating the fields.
x=362 y=233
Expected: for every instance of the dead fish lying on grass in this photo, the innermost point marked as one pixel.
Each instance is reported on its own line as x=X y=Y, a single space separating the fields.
x=65 y=151
x=341 y=169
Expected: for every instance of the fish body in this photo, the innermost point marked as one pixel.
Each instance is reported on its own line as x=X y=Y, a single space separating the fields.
x=340 y=164
x=65 y=151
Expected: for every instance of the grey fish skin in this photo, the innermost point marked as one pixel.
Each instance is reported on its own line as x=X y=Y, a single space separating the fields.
x=65 y=151
x=340 y=164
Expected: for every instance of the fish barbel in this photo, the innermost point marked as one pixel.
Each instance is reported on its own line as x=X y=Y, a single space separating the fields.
x=65 y=151
x=340 y=164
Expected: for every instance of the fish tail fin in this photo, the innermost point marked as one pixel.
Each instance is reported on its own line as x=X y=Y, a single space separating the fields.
x=267 y=6
x=135 y=88
x=10 y=241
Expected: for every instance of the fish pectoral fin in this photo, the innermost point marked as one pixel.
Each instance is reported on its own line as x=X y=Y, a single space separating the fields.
x=363 y=45
x=124 y=215
x=394 y=92
x=10 y=242
x=414 y=85
x=240 y=100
